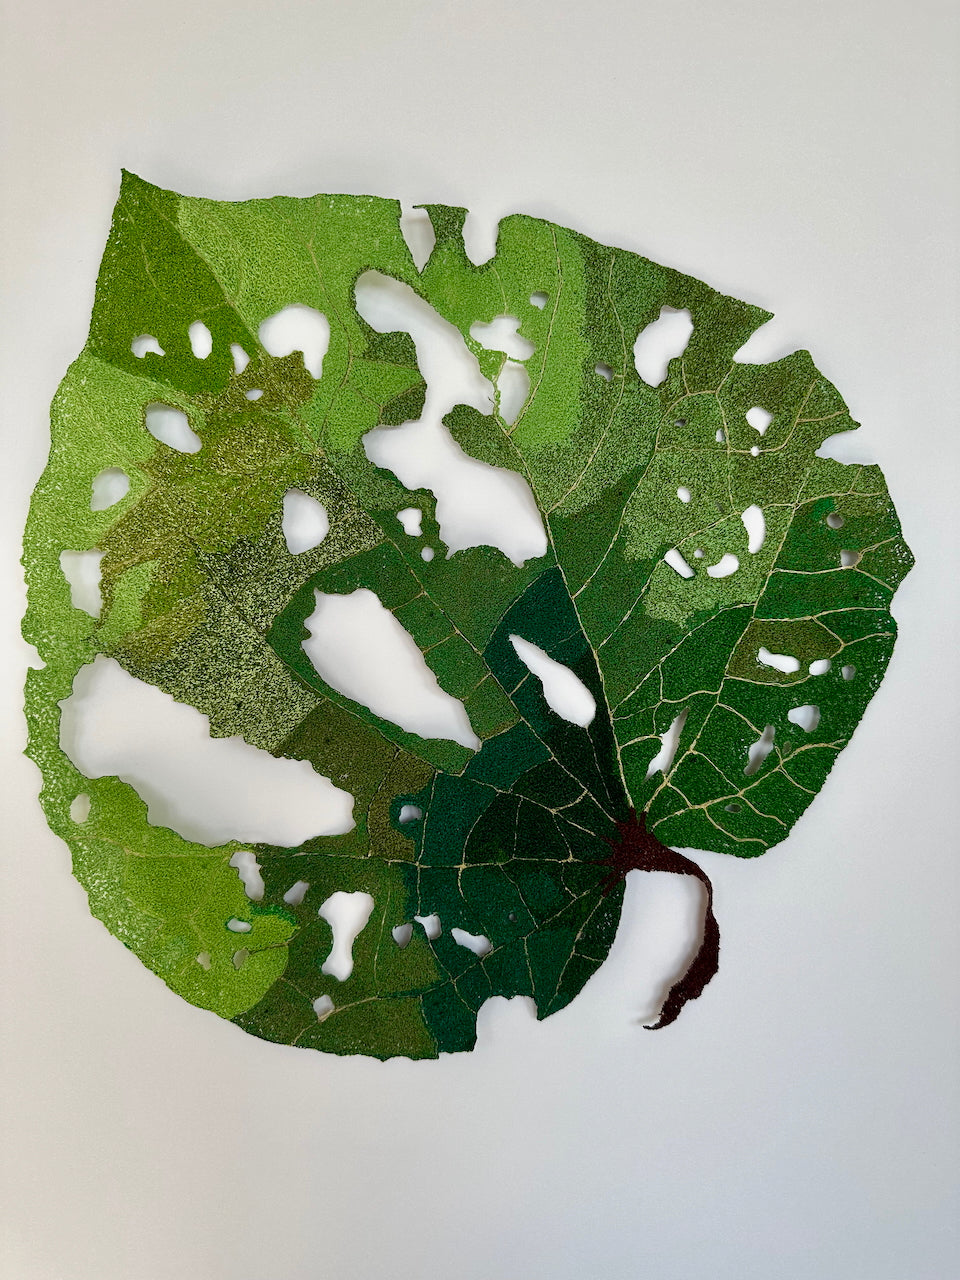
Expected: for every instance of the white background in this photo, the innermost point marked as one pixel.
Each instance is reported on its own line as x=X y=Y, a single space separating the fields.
x=800 y=1120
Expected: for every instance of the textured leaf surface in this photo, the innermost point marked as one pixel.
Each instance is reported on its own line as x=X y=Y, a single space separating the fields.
x=526 y=840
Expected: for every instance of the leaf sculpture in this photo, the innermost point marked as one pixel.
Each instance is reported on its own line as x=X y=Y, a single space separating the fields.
x=523 y=843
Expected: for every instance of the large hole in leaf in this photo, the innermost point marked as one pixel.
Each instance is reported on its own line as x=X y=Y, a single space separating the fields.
x=209 y=790
x=564 y=692
x=201 y=339
x=807 y=717
x=662 y=762
x=783 y=662
x=477 y=504
x=305 y=521
x=297 y=328
x=248 y=869
x=475 y=942
x=663 y=340
x=360 y=649
x=347 y=915
x=725 y=566
x=82 y=572
x=171 y=427
x=756 y=527
x=108 y=488
x=146 y=344
x=676 y=562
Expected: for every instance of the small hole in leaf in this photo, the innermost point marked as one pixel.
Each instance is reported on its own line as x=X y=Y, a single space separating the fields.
x=305 y=522
x=835 y=520
x=144 y=344
x=848 y=672
x=698 y=554
x=850 y=558
x=475 y=942
x=239 y=926
x=663 y=761
x=604 y=370
x=171 y=427
x=538 y=300
x=108 y=488
x=725 y=566
x=347 y=915
x=755 y=451
x=410 y=813
x=240 y=957
x=783 y=662
x=431 y=926
x=427 y=554
x=201 y=339
x=677 y=563
x=759 y=419
x=733 y=808
x=661 y=341
x=240 y=357
x=204 y=961
x=411 y=518
x=756 y=527
x=323 y=1007
x=759 y=751
x=296 y=893
x=82 y=572
x=253 y=394
x=806 y=717
x=401 y=934
x=248 y=869
x=820 y=666
x=80 y=808
x=297 y=328
x=721 y=437
x=684 y=494
x=679 y=422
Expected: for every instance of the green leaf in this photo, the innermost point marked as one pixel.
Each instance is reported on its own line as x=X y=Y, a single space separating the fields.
x=524 y=842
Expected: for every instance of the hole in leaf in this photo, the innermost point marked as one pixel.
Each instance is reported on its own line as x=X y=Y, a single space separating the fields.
x=240 y=357
x=755 y=451
x=756 y=527
x=296 y=893
x=82 y=572
x=145 y=344
x=402 y=934
x=733 y=808
x=418 y=233
x=247 y=868
x=171 y=427
x=427 y=553
x=240 y=957
x=725 y=566
x=501 y=334
x=662 y=762
x=409 y=813
x=201 y=339
x=360 y=649
x=80 y=808
x=108 y=488
x=297 y=328
x=347 y=915
x=684 y=494
x=848 y=559
x=564 y=692
x=480 y=237
x=759 y=419
x=513 y=387
x=779 y=661
x=475 y=942
x=759 y=751
x=698 y=554
x=305 y=521
x=253 y=394
x=676 y=562
x=721 y=436
x=820 y=666
x=538 y=300
x=239 y=926
x=431 y=926
x=604 y=370
x=323 y=1007
x=411 y=518
x=835 y=520
x=207 y=789
x=848 y=672
x=204 y=961
x=845 y=446
x=806 y=717
x=661 y=341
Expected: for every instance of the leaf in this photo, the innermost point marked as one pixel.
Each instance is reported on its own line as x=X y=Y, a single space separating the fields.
x=524 y=842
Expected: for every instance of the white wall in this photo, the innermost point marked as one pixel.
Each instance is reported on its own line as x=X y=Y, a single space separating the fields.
x=799 y=1121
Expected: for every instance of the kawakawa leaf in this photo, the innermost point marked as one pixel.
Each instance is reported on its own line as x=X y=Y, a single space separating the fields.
x=525 y=841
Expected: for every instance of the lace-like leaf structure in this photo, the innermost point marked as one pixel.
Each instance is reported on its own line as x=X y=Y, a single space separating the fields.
x=524 y=842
